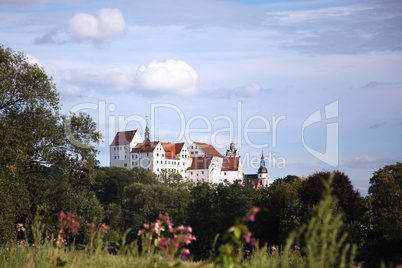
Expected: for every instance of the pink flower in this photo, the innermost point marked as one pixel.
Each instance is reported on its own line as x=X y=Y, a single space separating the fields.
x=247 y=237
x=180 y=228
x=189 y=229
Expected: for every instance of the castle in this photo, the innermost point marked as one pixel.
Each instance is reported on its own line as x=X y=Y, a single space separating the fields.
x=200 y=162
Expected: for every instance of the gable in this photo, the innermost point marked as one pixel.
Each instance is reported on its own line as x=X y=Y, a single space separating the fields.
x=123 y=138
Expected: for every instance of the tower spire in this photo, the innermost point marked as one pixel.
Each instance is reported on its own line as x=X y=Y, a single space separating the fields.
x=232 y=146
x=262 y=163
x=147 y=131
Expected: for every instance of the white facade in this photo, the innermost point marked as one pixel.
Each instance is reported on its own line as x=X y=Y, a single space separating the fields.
x=231 y=168
x=264 y=181
x=200 y=162
x=158 y=157
x=121 y=147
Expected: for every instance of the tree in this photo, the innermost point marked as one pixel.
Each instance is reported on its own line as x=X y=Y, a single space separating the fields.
x=40 y=150
x=350 y=200
x=383 y=222
x=213 y=209
x=110 y=182
x=281 y=211
x=144 y=202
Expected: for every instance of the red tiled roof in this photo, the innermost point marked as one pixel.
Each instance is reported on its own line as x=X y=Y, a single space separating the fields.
x=123 y=137
x=230 y=164
x=201 y=162
x=179 y=146
x=208 y=149
x=145 y=147
x=170 y=155
x=172 y=150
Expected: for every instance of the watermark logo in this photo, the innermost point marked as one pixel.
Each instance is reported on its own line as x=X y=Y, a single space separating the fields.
x=330 y=156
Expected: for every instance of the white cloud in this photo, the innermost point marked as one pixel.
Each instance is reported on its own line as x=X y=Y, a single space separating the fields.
x=171 y=76
x=32 y=60
x=107 y=23
x=368 y=162
x=334 y=13
x=249 y=90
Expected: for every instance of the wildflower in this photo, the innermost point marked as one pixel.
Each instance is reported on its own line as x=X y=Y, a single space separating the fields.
x=20 y=227
x=247 y=237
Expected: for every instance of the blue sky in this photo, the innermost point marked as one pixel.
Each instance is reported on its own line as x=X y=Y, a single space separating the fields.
x=258 y=72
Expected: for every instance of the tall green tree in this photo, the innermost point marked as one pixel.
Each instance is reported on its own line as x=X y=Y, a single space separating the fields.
x=382 y=228
x=213 y=209
x=349 y=200
x=40 y=150
x=281 y=210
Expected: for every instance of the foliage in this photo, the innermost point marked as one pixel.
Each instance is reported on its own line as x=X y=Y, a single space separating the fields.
x=281 y=211
x=382 y=224
x=170 y=242
x=349 y=200
x=322 y=239
x=171 y=179
x=234 y=240
x=212 y=210
x=43 y=155
x=144 y=202
x=323 y=246
x=110 y=182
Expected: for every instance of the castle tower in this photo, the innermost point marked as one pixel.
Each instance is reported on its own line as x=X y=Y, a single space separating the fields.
x=146 y=132
x=263 y=173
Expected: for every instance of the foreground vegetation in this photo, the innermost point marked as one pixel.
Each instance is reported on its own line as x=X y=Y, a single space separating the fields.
x=48 y=165
x=164 y=245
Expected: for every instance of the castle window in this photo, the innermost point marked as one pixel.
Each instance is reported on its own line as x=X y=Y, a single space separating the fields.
x=125 y=164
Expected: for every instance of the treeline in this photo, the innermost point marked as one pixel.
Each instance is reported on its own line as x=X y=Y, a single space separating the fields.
x=48 y=164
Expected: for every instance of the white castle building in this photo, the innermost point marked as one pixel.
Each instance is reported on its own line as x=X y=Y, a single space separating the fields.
x=200 y=162
x=261 y=179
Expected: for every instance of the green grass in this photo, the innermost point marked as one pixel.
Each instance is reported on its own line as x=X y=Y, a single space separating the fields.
x=320 y=240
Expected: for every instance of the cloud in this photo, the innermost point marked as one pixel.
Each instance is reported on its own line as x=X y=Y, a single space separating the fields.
x=32 y=60
x=340 y=30
x=367 y=162
x=108 y=23
x=371 y=84
x=376 y=125
x=19 y=3
x=248 y=90
x=73 y=83
x=171 y=76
